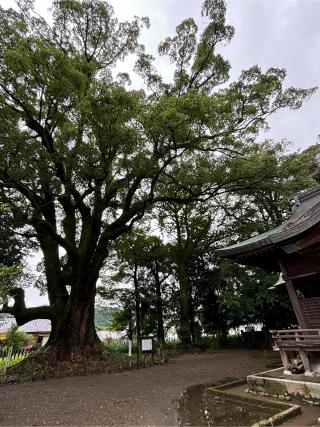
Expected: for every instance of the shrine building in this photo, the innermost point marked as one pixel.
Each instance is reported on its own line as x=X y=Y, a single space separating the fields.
x=293 y=250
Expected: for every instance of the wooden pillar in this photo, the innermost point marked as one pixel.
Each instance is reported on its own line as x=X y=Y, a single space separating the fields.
x=285 y=362
x=296 y=304
x=294 y=299
x=306 y=363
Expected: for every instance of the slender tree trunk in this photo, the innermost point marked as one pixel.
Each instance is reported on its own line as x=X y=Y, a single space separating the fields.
x=159 y=307
x=184 y=297
x=192 y=321
x=138 y=316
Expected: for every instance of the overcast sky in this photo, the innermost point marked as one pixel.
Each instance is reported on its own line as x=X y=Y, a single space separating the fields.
x=270 y=33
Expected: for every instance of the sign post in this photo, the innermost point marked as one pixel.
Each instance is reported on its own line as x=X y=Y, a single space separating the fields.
x=130 y=350
x=147 y=347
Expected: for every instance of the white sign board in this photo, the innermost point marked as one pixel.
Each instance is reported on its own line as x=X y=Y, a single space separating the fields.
x=147 y=344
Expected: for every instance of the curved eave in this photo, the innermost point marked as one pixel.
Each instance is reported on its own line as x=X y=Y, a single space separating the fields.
x=245 y=250
x=254 y=252
x=273 y=238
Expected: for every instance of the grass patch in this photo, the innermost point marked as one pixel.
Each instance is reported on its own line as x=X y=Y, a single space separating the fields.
x=115 y=346
x=43 y=365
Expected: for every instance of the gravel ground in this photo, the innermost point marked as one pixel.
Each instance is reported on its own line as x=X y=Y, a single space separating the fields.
x=138 y=397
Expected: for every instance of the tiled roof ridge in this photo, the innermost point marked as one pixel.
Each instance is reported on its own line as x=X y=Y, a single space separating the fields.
x=36 y=325
x=301 y=219
x=306 y=194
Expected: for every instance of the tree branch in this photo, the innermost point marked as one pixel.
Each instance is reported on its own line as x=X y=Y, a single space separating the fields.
x=23 y=314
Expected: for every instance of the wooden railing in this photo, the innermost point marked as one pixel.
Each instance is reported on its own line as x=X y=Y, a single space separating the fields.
x=308 y=339
x=302 y=341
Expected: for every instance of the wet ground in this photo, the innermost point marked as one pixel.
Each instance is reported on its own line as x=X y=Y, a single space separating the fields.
x=141 y=397
x=199 y=408
x=138 y=397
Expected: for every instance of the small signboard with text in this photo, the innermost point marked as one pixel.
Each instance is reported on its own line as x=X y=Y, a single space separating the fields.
x=146 y=344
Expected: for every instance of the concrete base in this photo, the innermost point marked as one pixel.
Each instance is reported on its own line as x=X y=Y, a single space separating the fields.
x=274 y=383
x=315 y=363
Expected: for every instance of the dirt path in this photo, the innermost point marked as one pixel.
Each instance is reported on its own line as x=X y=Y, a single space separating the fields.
x=138 y=397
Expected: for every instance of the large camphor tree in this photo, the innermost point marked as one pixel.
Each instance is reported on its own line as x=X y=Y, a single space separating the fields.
x=82 y=157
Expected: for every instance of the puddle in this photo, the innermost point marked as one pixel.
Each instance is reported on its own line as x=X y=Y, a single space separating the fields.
x=198 y=408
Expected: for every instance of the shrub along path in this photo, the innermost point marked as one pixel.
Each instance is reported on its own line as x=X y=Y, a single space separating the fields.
x=137 y=397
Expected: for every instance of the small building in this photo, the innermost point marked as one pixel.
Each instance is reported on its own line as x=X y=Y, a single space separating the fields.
x=39 y=329
x=293 y=250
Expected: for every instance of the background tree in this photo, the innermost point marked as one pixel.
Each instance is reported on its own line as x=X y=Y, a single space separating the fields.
x=313 y=153
x=188 y=230
x=82 y=158
x=246 y=298
x=12 y=251
x=244 y=293
x=141 y=263
x=215 y=296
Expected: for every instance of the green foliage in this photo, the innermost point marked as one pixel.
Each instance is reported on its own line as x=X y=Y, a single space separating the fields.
x=103 y=316
x=313 y=154
x=121 y=319
x=116 y=346
x=16 y=339
x=246 y=298
x=83 y=158
x=11 y=251
x=207 y=343
x=139 y=268
x=12 y=247
x=9 y=278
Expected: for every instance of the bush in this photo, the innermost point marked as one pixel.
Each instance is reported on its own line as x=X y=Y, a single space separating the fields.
x=116 y=346
x=16 y=339
x=217 y=342
x=208 y=342
x=173 y=345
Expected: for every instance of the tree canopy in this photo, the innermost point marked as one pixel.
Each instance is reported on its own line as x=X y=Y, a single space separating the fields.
x=82 y=157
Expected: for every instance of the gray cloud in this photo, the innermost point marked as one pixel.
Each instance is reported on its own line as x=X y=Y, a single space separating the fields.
x=284 y=34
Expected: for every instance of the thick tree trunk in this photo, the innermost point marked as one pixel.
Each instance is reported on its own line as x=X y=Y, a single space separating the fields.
x=73 y=333
x=74 y=336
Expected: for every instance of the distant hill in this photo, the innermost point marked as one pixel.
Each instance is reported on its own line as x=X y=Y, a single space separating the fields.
x=103 y=316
